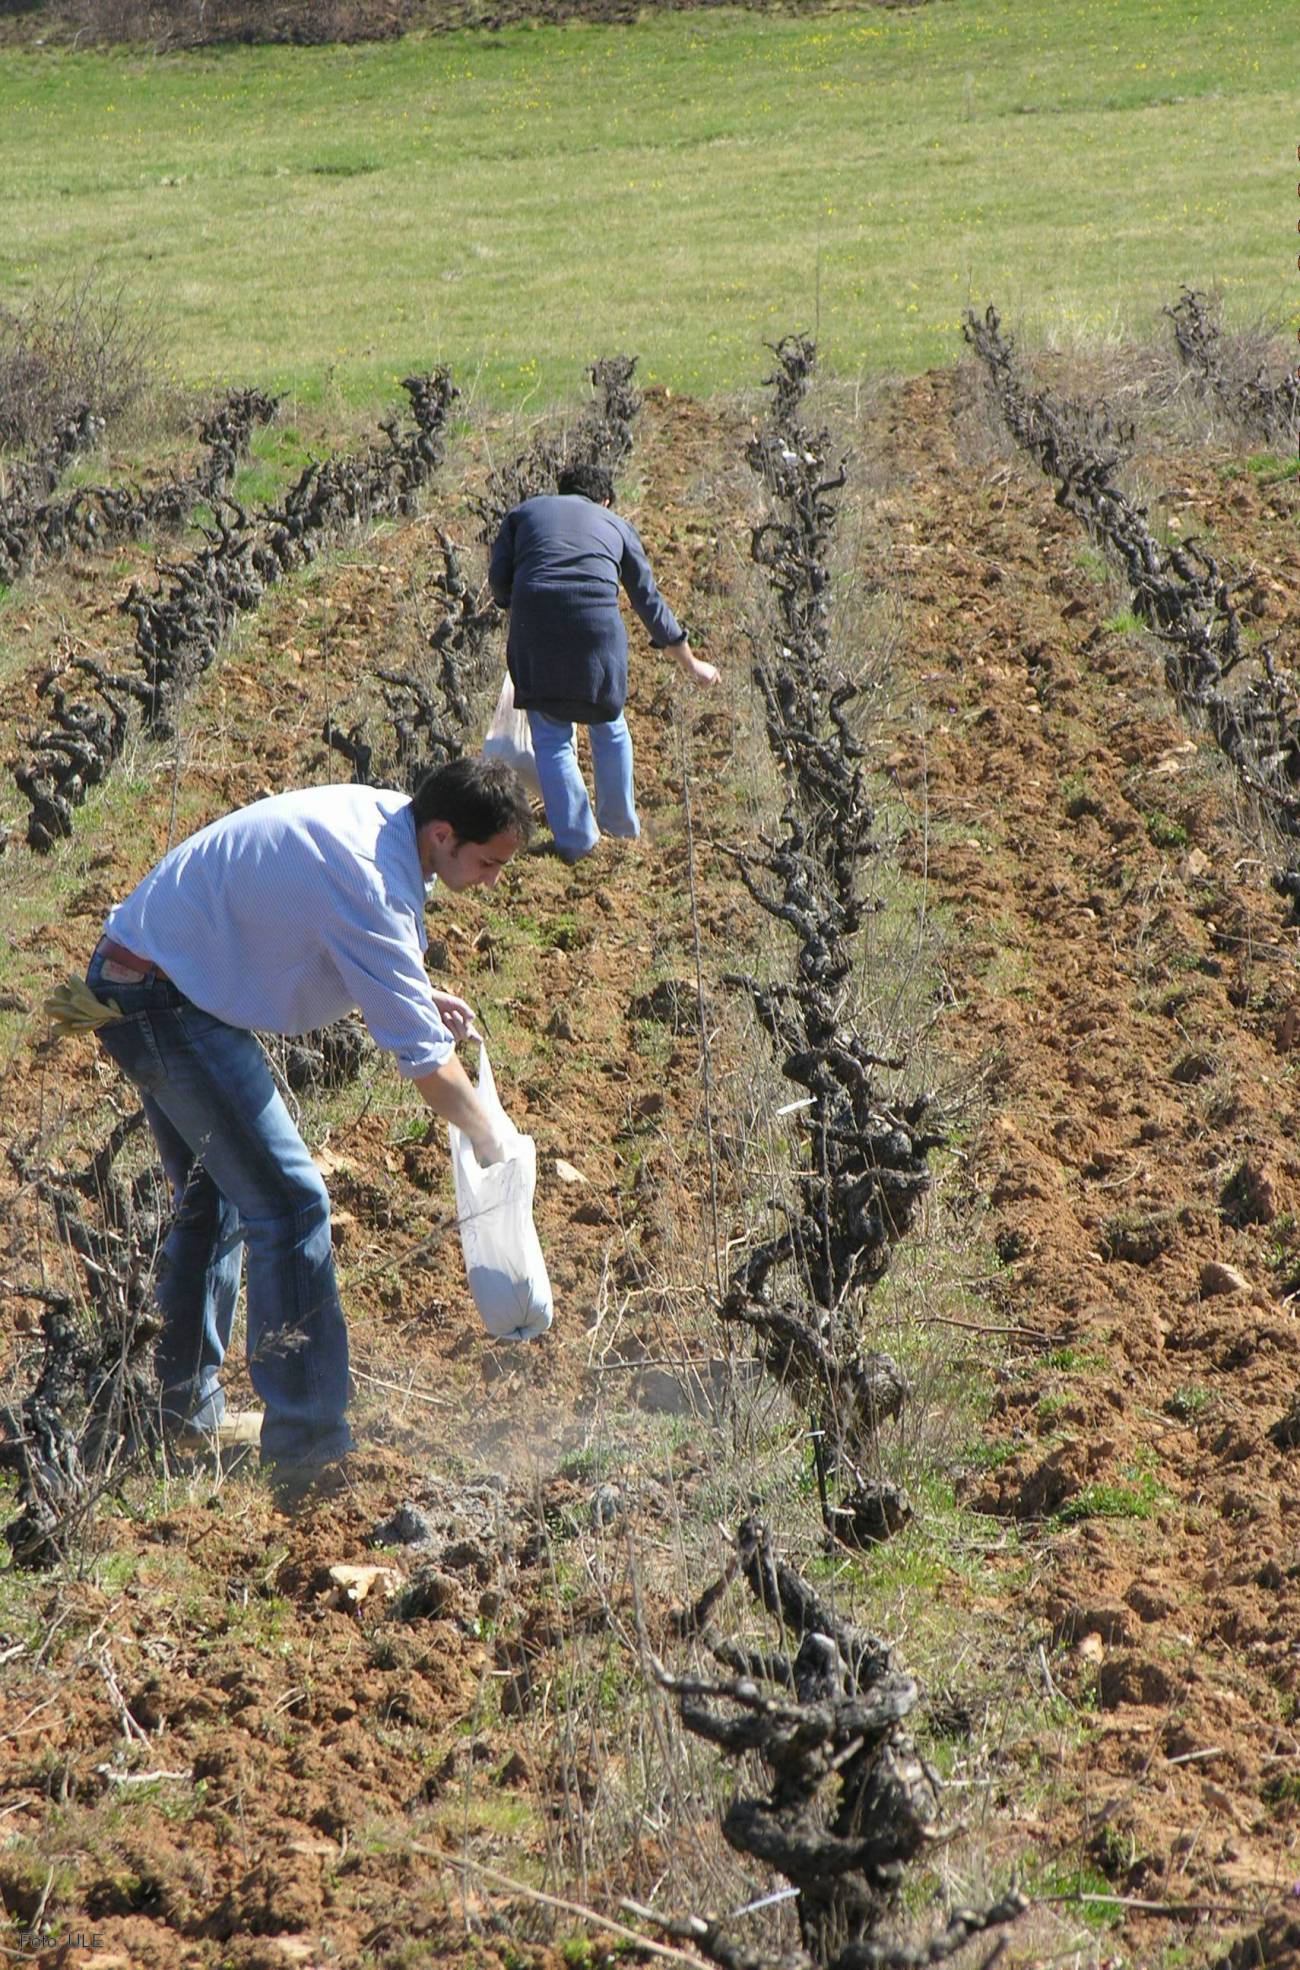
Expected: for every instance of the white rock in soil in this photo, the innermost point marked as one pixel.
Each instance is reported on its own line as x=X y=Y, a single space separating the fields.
x=1216 y=1278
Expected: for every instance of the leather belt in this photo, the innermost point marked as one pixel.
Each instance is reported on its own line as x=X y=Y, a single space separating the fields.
x=116 y=953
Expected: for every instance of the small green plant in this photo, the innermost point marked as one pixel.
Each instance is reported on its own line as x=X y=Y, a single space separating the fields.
x=114 y=1571
x=582 y=1465
x=1093 y=1892
x=1190 y=1403
x=1282 y=1793
x=991 y=1456
x=1139 y=1498
x=1125 y=622
x=1165 y=832
x=24 y=1610
x=1271 y=471
x=1077 y=795
x=1114 y=1851
x=563 y=932
x=1070 y=1360
x=1283 y=1241
x=409 y=1129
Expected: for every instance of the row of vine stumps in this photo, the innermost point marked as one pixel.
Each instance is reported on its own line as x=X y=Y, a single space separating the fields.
x=849 y=1803
x=181 y=626
x=1221 y=681
x=36 y=528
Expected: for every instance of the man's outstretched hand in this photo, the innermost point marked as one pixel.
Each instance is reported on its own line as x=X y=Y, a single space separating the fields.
x=455 y=1014
x=695 y=667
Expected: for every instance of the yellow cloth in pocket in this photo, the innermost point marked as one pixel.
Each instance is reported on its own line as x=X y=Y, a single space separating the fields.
x=73 y=1008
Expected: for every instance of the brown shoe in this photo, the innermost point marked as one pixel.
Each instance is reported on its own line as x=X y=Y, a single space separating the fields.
x=239 y=1429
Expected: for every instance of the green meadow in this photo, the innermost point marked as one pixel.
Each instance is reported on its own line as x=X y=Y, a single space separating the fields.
x=512 y=203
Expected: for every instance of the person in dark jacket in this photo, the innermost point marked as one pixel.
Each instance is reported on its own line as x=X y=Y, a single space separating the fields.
x=556 y=566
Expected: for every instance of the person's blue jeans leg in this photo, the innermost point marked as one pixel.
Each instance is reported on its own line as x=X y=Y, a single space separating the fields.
x=197 y=1287
x=564 y=794
x=212 y=1085
x=611 y=759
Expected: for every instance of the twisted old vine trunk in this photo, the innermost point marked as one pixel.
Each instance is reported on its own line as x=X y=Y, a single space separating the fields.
x=849 y=1803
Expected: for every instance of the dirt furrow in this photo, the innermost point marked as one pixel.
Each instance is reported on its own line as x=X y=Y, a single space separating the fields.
x=1122 y=974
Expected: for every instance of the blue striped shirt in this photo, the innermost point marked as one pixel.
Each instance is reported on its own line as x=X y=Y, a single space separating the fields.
x=288 y=914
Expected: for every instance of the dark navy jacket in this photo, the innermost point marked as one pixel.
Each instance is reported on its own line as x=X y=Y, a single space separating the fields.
x=557 y=565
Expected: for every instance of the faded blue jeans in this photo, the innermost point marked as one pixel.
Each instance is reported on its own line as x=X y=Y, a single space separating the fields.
x=564 y=794
x=240 y=1175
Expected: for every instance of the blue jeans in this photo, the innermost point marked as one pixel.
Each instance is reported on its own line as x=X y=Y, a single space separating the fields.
x=568 y=810
x=240 y=1175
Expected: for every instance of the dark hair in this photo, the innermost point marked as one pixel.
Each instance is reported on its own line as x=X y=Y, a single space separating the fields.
x=592 y=481
x=479 y=797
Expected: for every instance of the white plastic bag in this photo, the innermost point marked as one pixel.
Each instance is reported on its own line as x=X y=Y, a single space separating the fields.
x=508 y=738
x=494 y=1208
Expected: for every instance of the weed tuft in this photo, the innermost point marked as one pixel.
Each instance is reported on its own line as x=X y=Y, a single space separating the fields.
x=1164 y=832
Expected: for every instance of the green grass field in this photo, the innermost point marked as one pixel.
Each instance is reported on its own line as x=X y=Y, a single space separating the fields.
x=514 y=203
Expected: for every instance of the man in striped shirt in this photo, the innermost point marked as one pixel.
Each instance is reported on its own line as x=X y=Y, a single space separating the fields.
x=283 y=917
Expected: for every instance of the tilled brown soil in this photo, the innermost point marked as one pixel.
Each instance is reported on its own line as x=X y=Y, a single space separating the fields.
x=1119 y=978
x=1123 y=972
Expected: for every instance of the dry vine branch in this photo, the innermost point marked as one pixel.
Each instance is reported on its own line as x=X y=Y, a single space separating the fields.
x=1263 y=403
x=865 y=1160
x=181 y=626
x=849 y=1804
x=94 y=1394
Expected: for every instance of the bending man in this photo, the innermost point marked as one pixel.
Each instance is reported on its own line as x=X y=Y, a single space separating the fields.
x=285 y=916
x=557 y=565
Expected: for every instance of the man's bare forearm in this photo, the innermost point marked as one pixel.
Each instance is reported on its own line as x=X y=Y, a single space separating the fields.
x=449 y=1093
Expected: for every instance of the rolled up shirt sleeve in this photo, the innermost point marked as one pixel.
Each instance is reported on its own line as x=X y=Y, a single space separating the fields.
x=391 y=990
